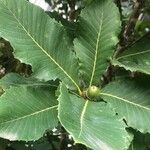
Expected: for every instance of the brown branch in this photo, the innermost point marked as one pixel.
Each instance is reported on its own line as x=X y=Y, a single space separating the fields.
x=125 y=36
x=133 y=19
x=127 y=32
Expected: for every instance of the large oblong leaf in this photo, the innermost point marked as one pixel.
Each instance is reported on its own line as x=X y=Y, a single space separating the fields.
x=92 y=124
x=27 y=109
x=99 y=26
x=39 y=41
x=136 y=58
x=131 y=99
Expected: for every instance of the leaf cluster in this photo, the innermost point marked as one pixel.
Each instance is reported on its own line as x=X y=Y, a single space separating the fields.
x=64 y=60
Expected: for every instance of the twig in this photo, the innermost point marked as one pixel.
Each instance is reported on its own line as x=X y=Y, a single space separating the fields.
x=125 y=36
x=127 y=32
x=133 y=19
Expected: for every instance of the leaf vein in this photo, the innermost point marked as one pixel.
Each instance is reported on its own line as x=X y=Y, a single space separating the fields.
x=74 y=82
x=125 y=100
x=97 y=46
x=134 y=54
x=82 y=117
x=29 y=115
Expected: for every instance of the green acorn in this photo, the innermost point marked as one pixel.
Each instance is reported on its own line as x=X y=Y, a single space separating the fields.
x=93 y=92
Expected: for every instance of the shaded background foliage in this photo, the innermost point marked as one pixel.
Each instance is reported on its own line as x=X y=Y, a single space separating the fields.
x=135 y=15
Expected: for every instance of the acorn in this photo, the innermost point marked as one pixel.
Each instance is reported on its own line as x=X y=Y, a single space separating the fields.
x=93 y=92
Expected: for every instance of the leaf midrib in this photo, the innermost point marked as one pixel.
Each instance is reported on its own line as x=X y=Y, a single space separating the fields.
x=29 y=115
x=43 y=50
x=82 y=117
x=28 y=85
x=97 y=47
x=125 y=100
x=138 y=53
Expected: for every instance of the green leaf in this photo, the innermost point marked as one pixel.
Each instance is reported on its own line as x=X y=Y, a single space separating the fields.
x=26 y=110
x=136 y=58
x=131 y=99
x=39 y=41
x=99 y=26
x=13 y=79
x=90 y=123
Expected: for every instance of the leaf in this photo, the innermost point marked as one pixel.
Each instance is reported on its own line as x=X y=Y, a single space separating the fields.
x=26 y=110
x=131 y=99
x=99 y=26
x=14 y=79
x=69 y=26
x=90 y=123
x=136 y=58
x=39 y=41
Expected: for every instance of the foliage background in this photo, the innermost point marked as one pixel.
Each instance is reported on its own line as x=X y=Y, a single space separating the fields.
x=68 y=10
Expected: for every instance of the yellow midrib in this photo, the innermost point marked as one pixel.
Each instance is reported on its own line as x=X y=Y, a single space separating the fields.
x=29 y=115
x=82 y=117
x=74 y=82
x=125 y=100
x=96 y=49
x=138 y=53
